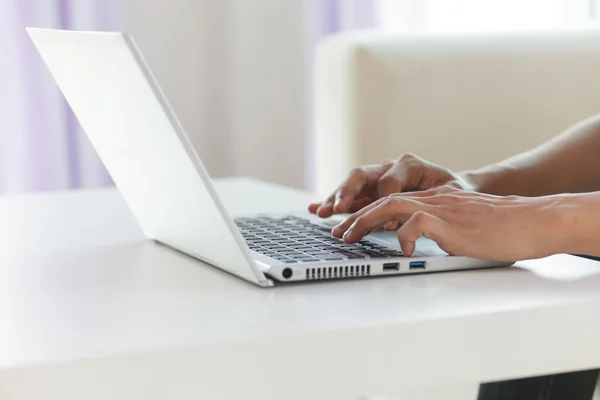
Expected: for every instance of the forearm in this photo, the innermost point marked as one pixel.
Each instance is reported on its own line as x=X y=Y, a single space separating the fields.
x=569 y=163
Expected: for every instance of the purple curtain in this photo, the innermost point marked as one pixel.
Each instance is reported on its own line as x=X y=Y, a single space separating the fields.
x=343 y=15
x=42 y=146
x=331 y=17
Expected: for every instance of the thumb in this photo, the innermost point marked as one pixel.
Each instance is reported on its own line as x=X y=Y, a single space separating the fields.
x=430 y=226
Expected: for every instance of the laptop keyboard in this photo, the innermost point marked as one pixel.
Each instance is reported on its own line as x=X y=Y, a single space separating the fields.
x=295 y=240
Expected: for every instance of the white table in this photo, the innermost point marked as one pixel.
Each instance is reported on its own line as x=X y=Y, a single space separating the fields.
x=90 y=310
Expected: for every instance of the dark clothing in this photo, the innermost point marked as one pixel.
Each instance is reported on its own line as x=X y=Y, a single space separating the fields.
x=568 y=386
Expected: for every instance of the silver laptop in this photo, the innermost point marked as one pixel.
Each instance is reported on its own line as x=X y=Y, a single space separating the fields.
x=128 y=120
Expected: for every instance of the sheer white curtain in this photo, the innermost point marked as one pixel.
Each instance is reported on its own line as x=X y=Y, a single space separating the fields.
x=482 y=15
x=41 y=144
x=454 y=15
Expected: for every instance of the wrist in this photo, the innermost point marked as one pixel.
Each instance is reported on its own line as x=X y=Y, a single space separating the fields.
x=579 y=223
x=495 y=179
x=473 y=180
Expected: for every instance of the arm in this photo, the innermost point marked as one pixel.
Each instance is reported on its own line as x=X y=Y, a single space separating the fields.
x=466 y=223
x=583 y=224
x=569 y=163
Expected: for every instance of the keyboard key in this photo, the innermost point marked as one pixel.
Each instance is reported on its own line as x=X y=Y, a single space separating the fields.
x=369 y=245
x=299 y=237
x=300 y=228
x=348 y=254
x=328 y=256
x=373 y=254
x=293 y=218
x=393 y=253
x=309 y=241
x=316 y=250
x=348 y=247
x=326 y=247
x=291 y=253
x=320 y=234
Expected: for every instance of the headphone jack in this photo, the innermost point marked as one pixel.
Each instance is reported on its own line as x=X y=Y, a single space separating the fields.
x=287 y=273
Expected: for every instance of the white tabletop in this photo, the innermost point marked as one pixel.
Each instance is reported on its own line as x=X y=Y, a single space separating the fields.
x=89 y=309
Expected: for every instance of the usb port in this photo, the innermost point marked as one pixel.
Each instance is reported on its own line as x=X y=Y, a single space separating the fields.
x=417 y=265
x=391 y=266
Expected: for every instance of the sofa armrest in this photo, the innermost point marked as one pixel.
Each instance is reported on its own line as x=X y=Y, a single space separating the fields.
x=462 y=101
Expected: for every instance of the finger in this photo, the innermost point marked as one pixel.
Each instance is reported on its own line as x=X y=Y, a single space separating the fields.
x=432 y=199
x=342 y=227
x=389 y=210
x=349 y=190
x=329 y=207
x=326 y=210
x=424 y=224
x=404 y=175
x=313 y=207
x=394 y=179
x=359 y=204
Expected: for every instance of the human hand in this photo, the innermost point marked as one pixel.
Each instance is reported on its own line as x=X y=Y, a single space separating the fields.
x=466 y=223
x=369 y=183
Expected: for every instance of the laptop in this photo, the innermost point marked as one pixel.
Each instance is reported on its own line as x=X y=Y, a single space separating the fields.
x=121 y=108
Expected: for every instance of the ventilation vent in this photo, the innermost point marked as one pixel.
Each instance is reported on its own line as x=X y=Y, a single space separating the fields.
x=346 y=271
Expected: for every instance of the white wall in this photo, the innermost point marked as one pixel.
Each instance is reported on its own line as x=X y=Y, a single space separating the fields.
x=235 y=74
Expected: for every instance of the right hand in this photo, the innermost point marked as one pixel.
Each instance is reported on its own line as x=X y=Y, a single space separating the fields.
x=367 y=184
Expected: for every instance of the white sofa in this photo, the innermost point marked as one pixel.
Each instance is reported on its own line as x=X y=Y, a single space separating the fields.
x=462 y=101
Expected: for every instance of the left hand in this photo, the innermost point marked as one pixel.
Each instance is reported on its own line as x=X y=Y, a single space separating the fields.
x=465 y=223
